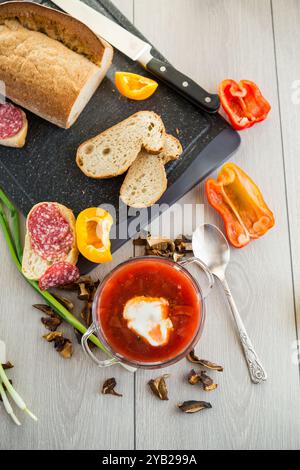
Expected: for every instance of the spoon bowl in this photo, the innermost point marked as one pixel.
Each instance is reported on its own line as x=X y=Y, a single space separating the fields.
x=211 y=247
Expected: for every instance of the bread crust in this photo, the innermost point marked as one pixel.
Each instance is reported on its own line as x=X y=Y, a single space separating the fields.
x=57 y=25
x=32 y=37
x=33 y=272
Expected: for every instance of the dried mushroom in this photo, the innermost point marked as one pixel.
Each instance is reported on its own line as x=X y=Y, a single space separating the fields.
x=207 y=382
x=52 y=321
x=7 y=365
x=109 y=388
x=159 y=387
x=86 y=314
x=164 y=247
x=83 y=292
x=61 y=344
x=65 y=349
x=194 y=406
x=53 y=336
x=65 y=302
x=202 y=362
x=194 y=378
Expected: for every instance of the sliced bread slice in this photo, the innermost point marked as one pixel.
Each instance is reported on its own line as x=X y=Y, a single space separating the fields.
x=172 y=150
x=33 y=265
x=146 y=180
x=111 y=153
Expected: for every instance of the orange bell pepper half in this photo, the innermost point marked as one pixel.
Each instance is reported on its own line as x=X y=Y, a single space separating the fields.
x=241 y=204
x=92 y=233
x=135 y=87
x=243 y=103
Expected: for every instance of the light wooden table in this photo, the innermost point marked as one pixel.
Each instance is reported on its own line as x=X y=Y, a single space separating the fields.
x=210 y=40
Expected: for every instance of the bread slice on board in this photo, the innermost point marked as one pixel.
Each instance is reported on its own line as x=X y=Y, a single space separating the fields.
x=33 y=265
x=171 y=151
x=146 y=180
x=51 y=63
x=18 y=140
x=111 y=153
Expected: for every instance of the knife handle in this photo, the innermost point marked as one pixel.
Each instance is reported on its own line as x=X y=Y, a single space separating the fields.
x=184 y=85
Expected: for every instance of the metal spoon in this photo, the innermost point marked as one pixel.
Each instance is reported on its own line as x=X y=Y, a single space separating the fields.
x=211 y=247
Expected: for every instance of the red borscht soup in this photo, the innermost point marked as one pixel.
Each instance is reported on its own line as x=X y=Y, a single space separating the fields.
x=149 y=310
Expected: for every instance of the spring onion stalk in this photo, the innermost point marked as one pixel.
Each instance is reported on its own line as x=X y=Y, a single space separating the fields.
x=15 y=223
x=7 y=405
x=14 y=395
x=13 y=241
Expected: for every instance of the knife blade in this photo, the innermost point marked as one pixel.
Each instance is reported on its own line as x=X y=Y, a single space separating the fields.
x=140 y=51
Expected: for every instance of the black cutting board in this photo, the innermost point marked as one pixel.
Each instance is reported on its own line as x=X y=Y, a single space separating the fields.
x=45 y=169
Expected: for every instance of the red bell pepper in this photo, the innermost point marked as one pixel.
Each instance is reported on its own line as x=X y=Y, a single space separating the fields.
x=241 y=204
x=243 y=103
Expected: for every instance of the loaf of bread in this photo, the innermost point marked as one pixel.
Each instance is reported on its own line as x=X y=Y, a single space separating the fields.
x=51 y=63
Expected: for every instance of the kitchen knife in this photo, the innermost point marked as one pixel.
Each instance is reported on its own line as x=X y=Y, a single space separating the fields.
x=140 y=51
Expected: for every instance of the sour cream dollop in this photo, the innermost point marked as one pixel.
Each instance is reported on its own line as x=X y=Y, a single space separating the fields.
x=149 y=318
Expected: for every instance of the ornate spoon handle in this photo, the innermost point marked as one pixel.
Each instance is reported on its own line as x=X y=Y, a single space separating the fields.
x=256 y=370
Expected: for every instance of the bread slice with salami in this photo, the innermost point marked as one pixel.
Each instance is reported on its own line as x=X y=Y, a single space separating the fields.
x=50 y=242
x=111 y=153
x=51 y=63
x=13 y=126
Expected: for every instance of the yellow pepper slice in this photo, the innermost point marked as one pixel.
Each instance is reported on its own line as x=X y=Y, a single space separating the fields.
x=93 y=227
x=135 y=87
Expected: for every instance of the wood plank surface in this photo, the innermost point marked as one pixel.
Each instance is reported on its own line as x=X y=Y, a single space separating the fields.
x=286 y=16
x=208 y=42
x=65 y=395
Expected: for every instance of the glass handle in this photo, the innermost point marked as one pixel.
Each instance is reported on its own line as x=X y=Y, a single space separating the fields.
x=193 y=260
x=85 y=347
x=109 y=362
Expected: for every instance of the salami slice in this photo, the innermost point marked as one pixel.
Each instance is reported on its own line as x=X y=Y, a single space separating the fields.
x=51 y=235
x=59 y=274
x=11 y=121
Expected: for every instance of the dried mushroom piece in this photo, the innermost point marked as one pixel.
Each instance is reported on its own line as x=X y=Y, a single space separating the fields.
x=65 y=302
x=83 y=292
x=202 y=362
x=194 y=406
x=86 y=314
x=193 y=377
x=66 y=349
x=159 y=387
x=207 y=382
x=61 y=344
x=109 y=388
x=52 y=321
x=53 y=336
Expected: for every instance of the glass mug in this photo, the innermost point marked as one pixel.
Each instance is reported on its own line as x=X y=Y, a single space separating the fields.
x=116 y=357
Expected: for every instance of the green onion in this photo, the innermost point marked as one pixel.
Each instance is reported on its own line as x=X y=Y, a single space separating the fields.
x=14 y=395
x=7 y=405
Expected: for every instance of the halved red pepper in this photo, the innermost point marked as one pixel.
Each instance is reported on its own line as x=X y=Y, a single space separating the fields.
x=243 y=103
x=241 y=204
